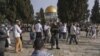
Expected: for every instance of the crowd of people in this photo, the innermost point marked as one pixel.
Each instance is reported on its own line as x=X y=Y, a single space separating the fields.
x=92 y=31
x=41 y=34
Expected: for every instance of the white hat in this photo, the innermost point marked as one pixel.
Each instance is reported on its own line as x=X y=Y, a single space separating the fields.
x=17 y=20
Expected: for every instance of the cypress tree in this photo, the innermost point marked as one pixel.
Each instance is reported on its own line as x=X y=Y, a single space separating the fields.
x=72 y=10
x=42 y=16
x=2 y=9
x=17 y=9
x=95 y=17
x=25 y=11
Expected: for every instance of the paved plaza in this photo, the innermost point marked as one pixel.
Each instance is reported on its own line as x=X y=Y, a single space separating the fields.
x=86 y=47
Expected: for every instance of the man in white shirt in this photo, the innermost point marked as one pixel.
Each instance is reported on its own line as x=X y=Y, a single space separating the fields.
x=17 y=33
x=73 y=34
x=38 y=30
x=47 y=32
x=63 y=30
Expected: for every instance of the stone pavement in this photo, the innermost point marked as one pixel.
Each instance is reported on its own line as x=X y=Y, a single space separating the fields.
x=86 y=47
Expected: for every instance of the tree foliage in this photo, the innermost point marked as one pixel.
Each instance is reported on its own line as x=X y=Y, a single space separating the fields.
x=18 y=9
x=72 y=10
x=42 y=16
x=95 y=17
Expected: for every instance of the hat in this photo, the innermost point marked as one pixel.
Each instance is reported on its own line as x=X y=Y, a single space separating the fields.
x=17 y=21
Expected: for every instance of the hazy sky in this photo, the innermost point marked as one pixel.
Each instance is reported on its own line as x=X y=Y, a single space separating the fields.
x=37 y=4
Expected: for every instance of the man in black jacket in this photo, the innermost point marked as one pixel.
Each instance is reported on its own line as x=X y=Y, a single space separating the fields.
x=3 y=37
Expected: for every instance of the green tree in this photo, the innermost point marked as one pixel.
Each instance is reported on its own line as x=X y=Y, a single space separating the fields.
x=95 y=17
x=17 y=9
x=25 y=10
x=42 y=16
x=72 y=10
x=80 y=10
x=3 y=7
x=11 y=10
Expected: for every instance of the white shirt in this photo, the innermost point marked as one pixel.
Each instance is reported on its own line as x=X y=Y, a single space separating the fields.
x=63 y=28
x=17 y=31
x=9 y=28
x=73 y=30
x=77 y=30
x=38 y=27
x=46 y=27
x=7 y=31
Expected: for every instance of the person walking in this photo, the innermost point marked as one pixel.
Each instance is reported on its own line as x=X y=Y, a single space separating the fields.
x=3 y=37
x=8 y=29
x=38 y=29
x=68 y=28
x=64 y=31
x=73 y=34
x=32 y=35
x=5 y=29
x=17 y=33
x=97 y=30
x=77 y=31
x=60 y=30
x=47 y=32
x=94 y=31
x=55 y=35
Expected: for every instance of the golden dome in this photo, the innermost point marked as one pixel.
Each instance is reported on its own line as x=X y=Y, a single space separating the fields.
x=51 y=9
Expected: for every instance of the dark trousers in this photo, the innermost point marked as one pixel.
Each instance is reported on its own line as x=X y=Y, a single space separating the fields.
x=54 y=40
x=46 y=39
x=32 y=35
x=68 y=38
x=63 y=35
x=86 y=34
x=2 y=47
x=21 y=37
x=73 y=39
x=6 y=44
x=1 y=53
x=38 y=35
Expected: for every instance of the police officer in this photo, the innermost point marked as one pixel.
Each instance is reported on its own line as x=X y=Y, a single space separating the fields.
x=55 y=35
